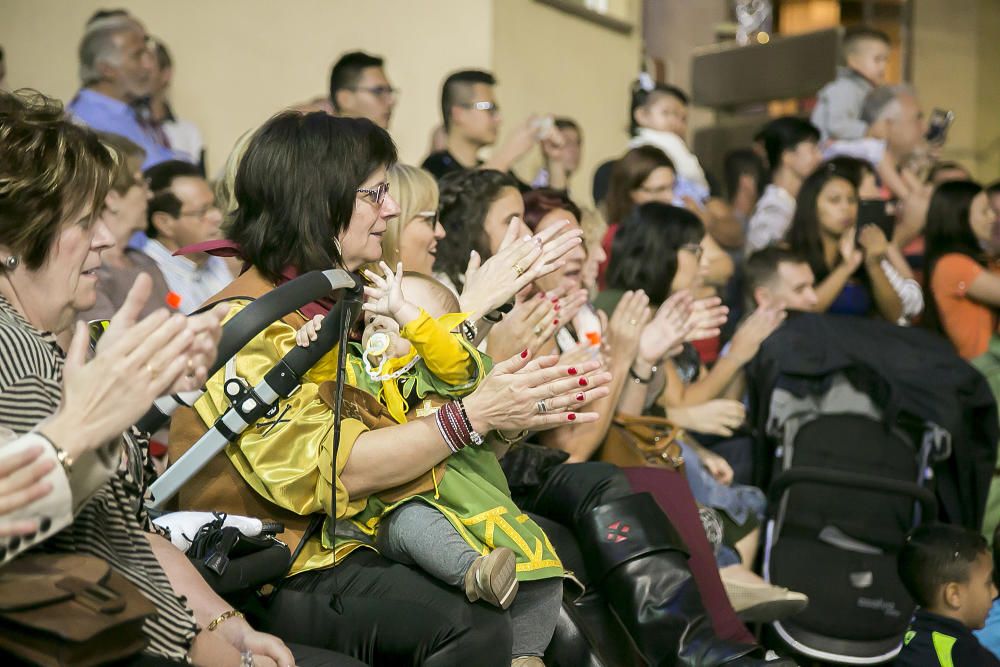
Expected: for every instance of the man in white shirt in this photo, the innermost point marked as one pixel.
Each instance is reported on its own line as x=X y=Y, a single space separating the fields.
x=181 y=213
x=792 y=146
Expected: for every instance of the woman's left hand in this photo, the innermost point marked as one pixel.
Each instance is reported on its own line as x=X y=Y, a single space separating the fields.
x=873 y=240
x=243 y=637
x=717 y=467
x=666 y=331
x=627 y=324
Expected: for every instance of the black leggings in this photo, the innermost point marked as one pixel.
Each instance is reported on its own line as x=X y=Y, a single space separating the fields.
x=393 y=614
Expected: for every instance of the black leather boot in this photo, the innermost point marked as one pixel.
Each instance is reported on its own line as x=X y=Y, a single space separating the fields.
x=641 y=563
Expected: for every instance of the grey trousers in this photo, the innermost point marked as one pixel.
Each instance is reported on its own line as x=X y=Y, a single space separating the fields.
x=417 y=534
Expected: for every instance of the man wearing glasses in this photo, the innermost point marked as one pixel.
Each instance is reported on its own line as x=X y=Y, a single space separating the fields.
x=182 y=212
x=360 y=89
x=471 y=121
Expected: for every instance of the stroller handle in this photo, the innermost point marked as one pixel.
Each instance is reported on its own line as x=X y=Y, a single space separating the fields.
x=249 y=322
x=812 y=475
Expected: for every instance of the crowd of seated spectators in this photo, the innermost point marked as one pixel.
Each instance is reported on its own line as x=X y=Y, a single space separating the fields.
x=462 y=499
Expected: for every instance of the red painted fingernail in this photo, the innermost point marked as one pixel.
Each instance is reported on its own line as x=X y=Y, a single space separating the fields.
x=555 y=322
x=572 y=370
x=524 y=354
x=579 y=396
x=555 y=299
x=571 y=416
x=557 y=307
x=583 y=382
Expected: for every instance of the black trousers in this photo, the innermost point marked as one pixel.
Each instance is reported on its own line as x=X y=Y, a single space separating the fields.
x=393 y=614
x=570 y=490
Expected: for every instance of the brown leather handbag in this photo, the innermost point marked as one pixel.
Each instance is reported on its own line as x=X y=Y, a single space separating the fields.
x=69 y=609
x=636 y=442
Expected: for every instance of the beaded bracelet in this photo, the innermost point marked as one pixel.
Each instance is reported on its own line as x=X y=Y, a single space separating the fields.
x=475 y=437
x=450 y=439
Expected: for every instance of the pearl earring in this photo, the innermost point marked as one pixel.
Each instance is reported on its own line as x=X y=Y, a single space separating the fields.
x=11 y=263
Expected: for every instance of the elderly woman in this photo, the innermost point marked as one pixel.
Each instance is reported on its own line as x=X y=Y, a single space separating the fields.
x=312 y=193
x=473 y=209
x=54 y=177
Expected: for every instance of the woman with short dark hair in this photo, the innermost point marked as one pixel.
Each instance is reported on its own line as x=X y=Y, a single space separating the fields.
x=312 y=193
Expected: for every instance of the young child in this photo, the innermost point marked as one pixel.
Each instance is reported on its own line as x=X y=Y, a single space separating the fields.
x=989 y=636
x=838 y=104
x=659 y=118
x=466 y=531
x=948 y=570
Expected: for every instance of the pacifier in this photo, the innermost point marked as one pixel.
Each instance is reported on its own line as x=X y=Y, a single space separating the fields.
x=376 y=347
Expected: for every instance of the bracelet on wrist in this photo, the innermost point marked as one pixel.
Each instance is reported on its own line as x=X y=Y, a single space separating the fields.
x=511 y=441
x=223 y=617
x=477 y=439
x=638 y=379
x=64 y=459
x=246 y=658
x=469 y=330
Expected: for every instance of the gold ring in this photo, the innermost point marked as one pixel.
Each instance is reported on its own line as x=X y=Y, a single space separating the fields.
x=538 y=330
x=153 y=371
x=633 y=322
x=518 y=270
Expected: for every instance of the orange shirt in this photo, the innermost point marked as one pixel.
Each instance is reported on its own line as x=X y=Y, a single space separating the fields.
x=968 y=324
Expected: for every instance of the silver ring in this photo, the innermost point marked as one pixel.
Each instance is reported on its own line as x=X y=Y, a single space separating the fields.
x=540 y=406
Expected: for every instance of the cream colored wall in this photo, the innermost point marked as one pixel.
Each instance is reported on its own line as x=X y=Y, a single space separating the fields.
x=239 y=61
x=548 y=61
x=957 y=66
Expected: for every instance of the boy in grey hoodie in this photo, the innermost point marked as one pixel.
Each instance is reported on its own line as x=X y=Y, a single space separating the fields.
x=838 y=104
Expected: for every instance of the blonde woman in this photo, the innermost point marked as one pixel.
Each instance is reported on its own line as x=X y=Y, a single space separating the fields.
x=412 y=237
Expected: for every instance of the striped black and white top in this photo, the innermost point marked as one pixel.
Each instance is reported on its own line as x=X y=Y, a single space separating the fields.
x=113 y=524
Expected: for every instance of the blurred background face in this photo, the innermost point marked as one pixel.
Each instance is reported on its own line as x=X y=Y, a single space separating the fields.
x=199 y=218
x=571 y=149
x=504 y=208
x=418 y=241
x=595 y=257
x=479 y=125
x=870 y=58
x=803 y=159
x=372 y=98
x=570 y=276
x=133 y=67
x=983 y=218
x=793 y=288
x=665 y=113
x=658 y=187
x=906 y=131
x=837 y=207
x=691 y=267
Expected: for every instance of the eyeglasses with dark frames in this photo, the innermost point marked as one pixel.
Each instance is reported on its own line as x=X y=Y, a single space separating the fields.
x=379 y=91
x=376 y=194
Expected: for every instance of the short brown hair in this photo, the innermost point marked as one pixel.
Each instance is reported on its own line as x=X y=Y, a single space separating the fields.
x=627 y=175
x=129 y=157
x=50 y=170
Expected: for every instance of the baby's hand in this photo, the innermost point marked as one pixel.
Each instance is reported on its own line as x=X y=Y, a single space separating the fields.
x=307 y=333
x=385 y=295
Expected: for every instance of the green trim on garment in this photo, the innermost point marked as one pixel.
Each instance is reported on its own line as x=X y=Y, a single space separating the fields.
x=942 y=647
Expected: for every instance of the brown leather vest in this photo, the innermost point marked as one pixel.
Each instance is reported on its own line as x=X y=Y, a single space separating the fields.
x=218 y=487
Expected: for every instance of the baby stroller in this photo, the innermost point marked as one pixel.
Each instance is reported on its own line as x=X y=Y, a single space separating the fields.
x=847 y=487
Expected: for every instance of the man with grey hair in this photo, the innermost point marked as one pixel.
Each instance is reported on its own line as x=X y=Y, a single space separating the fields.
x=893 y=115
x=116 y=72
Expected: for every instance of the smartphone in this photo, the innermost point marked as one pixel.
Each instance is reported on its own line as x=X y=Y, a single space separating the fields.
x=874 y=212
x=937 y=126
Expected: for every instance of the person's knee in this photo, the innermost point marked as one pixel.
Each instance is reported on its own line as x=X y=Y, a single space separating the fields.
x=481 y=635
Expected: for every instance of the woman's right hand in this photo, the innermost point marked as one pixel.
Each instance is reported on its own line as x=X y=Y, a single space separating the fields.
x=509 y=396
x=851 y=254
x=490 y=284
x=22 y=482
x=626 y=326
x=137 y=364
x=530 y=324
x=717 y=417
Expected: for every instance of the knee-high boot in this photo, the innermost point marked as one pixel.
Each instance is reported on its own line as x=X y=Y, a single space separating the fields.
x=641 y=563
